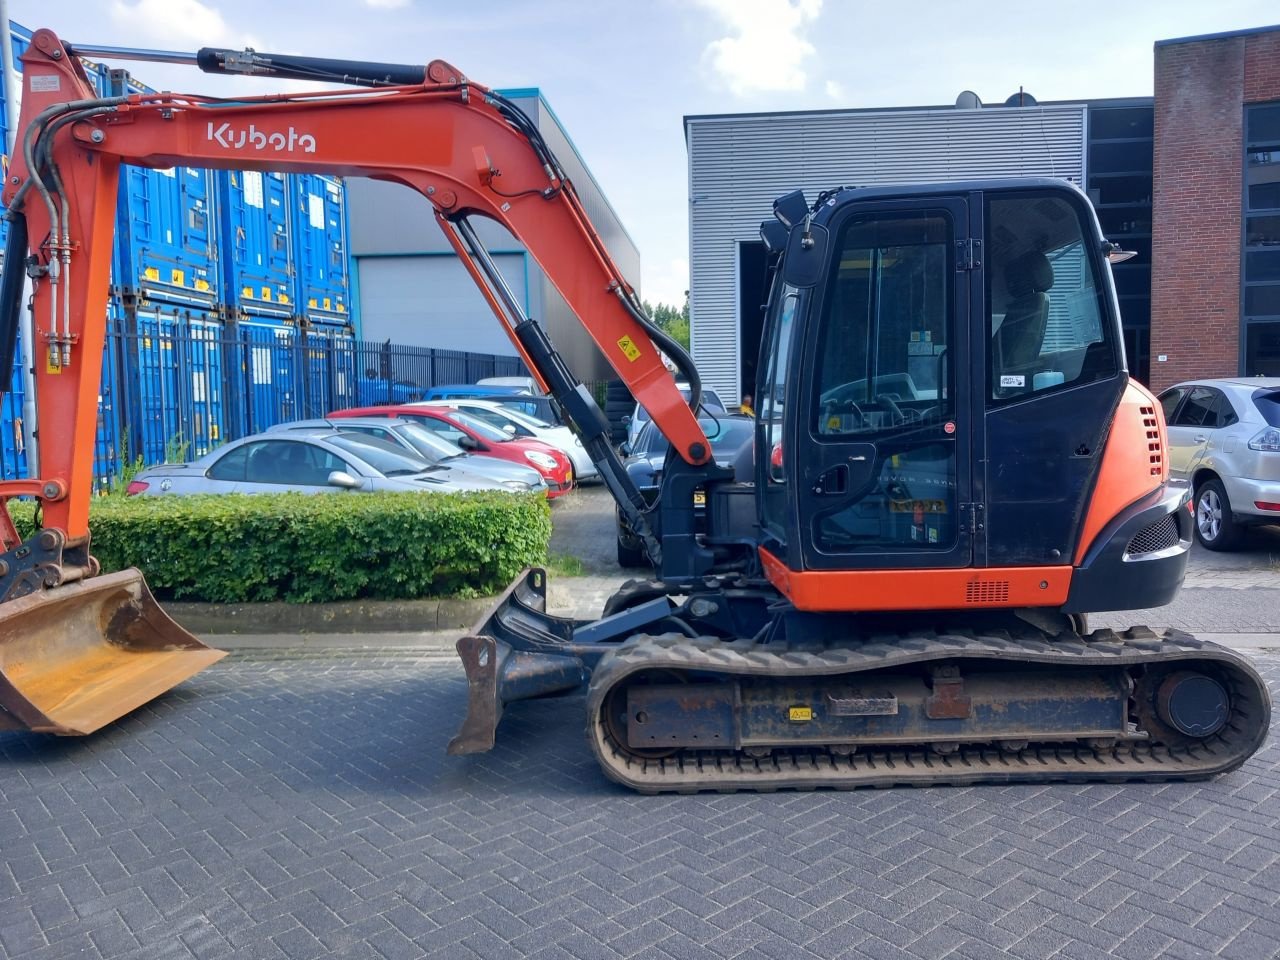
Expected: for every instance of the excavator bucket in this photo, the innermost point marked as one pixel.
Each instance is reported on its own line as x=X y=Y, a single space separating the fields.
x=77 y=657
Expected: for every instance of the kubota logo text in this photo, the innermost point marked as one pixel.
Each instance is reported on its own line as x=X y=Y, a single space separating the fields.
x=230 y=137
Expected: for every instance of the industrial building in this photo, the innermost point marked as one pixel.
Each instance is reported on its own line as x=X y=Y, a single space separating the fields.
x=411 y=288
x=1164 y=173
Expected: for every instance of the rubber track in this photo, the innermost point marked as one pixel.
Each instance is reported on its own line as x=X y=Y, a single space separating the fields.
x=691 y=771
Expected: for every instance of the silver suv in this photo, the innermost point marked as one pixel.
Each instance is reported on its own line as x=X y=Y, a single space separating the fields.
x=1224 y=436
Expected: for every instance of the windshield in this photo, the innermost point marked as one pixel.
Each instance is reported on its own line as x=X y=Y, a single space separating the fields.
x=526 y=419
x=386 y=459
x=430 y=445
x=478 y=427
x=499 y=419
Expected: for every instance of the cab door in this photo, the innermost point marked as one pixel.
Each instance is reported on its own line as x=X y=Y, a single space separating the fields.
x=883 y=423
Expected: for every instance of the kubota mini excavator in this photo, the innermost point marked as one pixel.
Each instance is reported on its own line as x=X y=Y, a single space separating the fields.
x=952 y=465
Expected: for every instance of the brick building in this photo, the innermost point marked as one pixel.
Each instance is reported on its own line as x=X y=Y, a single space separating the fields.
x=1215 y=285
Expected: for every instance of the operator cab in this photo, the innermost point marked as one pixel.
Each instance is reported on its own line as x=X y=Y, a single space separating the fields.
x=937 y=375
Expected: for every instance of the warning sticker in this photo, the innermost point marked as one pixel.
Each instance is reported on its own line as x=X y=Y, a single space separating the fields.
x=629 y=349
x=1013 y=380
x=800 y=714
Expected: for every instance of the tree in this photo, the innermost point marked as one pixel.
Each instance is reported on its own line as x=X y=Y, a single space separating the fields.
x=674 y=321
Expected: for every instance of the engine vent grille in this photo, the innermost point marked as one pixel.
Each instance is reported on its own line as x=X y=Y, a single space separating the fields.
x=1160 y=535
x=986 y=591
x=1154 y=450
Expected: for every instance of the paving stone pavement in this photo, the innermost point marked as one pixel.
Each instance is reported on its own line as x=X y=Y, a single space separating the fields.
x=304 y=808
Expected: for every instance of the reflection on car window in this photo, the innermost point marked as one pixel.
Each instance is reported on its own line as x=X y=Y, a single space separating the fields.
x=1169 y=402
x=1199 y=410
x=387 y=458
x=232 y=465
x=296 y=463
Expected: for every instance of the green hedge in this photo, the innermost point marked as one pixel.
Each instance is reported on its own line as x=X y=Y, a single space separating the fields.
x=301 y=548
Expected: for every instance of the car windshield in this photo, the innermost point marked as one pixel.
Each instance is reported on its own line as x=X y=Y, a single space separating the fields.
x=526 y=419
x=498 y=419
x=478 y=427
x=431 y=446
x=1268 y=404
x=387 y=459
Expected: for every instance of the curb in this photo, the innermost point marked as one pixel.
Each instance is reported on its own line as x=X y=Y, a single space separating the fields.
x=352 y=617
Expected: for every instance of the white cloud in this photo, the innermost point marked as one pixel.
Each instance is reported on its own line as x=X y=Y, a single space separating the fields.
x=835 y=90
x=767 y=48
x=172 y=22
x=386 y=4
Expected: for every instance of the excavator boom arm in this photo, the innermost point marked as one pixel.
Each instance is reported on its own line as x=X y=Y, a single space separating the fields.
x=463 y=147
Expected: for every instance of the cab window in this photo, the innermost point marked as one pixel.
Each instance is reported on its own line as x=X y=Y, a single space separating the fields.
x=1045 y=308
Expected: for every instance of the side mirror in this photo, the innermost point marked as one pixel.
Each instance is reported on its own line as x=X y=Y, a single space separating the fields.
x=509 y=429
x=806 y=256
x=468 y=443
x=340 y=478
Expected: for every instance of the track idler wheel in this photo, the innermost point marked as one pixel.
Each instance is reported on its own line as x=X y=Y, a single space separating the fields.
x=1194 y=704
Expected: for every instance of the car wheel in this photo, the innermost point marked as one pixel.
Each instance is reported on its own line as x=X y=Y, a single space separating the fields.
x=630 y=558
x=1216 y=529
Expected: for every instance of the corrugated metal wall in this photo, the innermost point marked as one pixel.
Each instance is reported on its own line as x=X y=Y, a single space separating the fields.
x=738 y=165
x=389 y=219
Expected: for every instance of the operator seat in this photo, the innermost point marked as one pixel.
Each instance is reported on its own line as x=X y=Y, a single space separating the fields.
x=1021 y=334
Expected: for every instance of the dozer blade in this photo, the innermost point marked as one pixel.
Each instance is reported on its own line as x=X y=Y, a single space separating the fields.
x=77 y=657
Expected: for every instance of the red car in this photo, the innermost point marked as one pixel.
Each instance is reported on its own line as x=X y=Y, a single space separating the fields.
x=474 y=435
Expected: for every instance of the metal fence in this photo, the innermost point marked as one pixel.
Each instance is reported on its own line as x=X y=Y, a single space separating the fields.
x=174 y=391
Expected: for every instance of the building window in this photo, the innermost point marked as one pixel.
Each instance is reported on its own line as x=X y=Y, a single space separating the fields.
x=1261 y=255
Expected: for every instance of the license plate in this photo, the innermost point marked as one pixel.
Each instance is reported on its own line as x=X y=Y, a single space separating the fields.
x=699 y=498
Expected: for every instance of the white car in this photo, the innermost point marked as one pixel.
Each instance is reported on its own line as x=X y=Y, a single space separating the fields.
x=518 y=424
x=1224 y=437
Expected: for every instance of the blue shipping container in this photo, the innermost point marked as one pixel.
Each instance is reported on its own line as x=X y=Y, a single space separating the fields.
x=319 y=217
x=266 y=361
x=167 y=235
x=174 y=377
x=257 y=249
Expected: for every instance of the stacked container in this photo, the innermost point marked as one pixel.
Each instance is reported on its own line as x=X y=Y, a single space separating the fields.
x=229 y=310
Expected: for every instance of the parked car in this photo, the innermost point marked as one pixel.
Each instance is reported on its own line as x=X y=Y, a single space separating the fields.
x=1224 y=437
x=731 y=440
x=461 y=467
x=372 y=389
x=308 y=463
x=524 y=425
x=527 y=384
x=478 y=437
x=711 y=402
x=516 y=398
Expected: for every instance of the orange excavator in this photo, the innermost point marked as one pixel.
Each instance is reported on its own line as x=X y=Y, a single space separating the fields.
x=952 y=466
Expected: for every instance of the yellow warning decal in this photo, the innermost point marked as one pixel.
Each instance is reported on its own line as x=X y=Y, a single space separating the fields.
x=266 y=293
x=151 y=273
x=202 y=285
x=178 y=278
x=629 y=349
x=246 y=292
x=800 y=714
x=328 y=304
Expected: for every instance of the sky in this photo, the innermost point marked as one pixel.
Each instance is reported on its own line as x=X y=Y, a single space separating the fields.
x=622 y=74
